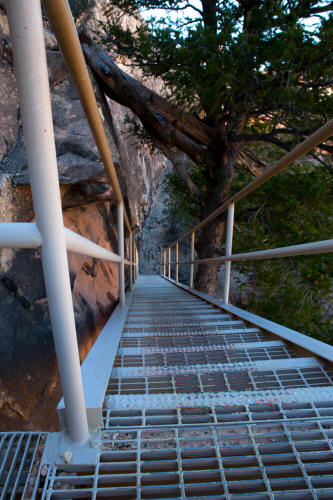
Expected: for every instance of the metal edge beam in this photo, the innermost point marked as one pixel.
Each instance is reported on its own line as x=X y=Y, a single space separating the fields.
x=312 y=345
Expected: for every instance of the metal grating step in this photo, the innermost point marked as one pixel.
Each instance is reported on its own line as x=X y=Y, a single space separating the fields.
x=203 y=355
x=228 y=327
x=217 y=414
x=20 y=457
x=282 y=460
x=189 y=339
x=207 y=409
x=230 y=381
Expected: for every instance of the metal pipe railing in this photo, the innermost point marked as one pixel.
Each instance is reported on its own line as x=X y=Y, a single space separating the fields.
x=27 y=36
x=164 y=263
x=177 y=257
x=20 y=235
x=305 y=249
x=192 y=259
x=121 y=268
x=61 y=20
x=169 y=262
x=304 y=147
x=228 y=251
x=131 y=260
x=49 y=233
x=26 y=235
x=314 y=248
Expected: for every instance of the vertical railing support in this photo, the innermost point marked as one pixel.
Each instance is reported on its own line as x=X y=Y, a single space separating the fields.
x=192 y=259
x=134 y=275
x=161 y=265
x=177 y=251
x=228 y=250
x=164 y=263
x=131 y=260
x=137 y=263
x=169 y=262
x=27 y=37
x=121 y=253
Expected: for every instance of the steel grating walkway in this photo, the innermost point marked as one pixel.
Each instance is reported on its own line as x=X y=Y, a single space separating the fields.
x=20 y=459
x=201 y=405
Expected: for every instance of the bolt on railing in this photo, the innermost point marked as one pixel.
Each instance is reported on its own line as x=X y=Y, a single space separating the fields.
x=316 y=247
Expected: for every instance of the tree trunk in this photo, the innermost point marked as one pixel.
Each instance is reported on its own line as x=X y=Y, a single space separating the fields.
x=211 y=238
x=209 y=245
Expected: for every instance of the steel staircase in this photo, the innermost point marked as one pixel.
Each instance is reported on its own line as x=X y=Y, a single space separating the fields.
x=181 y=397
x=202 y=405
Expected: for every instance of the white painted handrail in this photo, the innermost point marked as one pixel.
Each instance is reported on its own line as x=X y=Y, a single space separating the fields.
x=19 y=235
x=316 y=247
x=26 y=235
x=79 y=244
x=27 y=37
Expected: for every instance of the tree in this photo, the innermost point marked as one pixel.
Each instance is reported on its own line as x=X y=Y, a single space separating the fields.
x=236 y=73
x=294 y=291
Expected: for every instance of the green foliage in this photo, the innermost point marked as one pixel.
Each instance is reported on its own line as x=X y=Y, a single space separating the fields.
x=258 y=58
x=80 y=6
x=293 y=208
x=251 y=71
x=184 y=207
x=296 y=207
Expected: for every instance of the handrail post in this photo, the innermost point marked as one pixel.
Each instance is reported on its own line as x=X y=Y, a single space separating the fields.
x=192 y=259
x=164 y=263
x=169 y=262
x=121 y=266
x=177 y=261
x=228 y=250
x=27 y=37
x=131 y=260
x=137 y=263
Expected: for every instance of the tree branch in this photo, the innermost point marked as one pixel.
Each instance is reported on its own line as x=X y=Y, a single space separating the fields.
x=249 y=162
x=176 y=126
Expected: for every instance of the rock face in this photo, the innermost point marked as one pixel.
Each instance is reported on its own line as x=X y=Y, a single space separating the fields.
x=163 y=226
x=160 y=230
x=29 y=385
